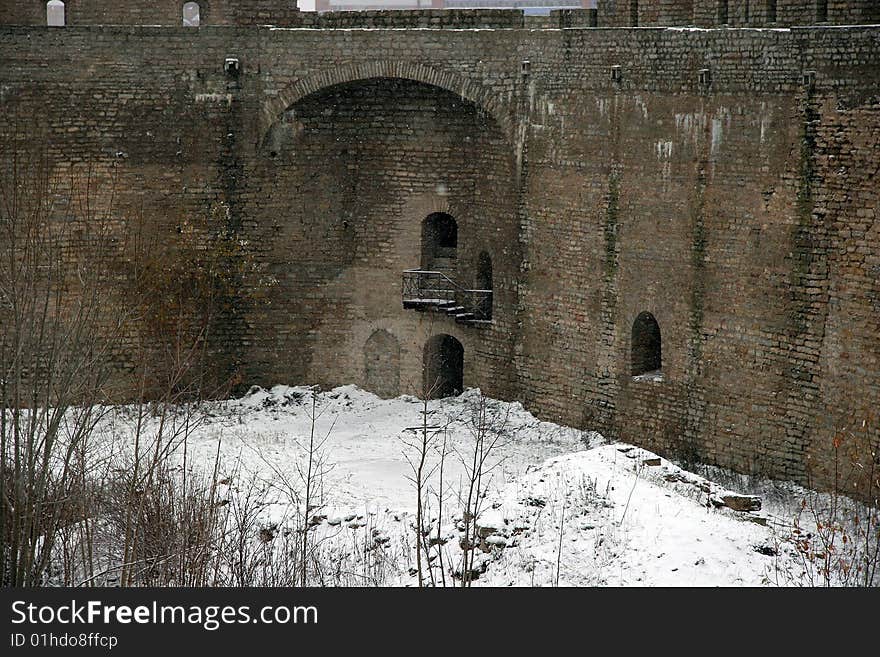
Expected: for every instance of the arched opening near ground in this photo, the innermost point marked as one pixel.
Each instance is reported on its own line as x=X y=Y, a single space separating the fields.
x=55 y=16
x=443 y=367
x=483 y=285
x=439 y=242
x=382 y=364
x=646 y=346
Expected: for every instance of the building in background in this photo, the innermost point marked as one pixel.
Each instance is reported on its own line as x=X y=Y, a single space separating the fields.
x=363 y=5
x=530 y=7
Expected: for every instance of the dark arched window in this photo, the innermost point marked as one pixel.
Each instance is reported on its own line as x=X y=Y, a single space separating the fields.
x=55 y=13
x=821 y=11
x=443 y=367
x=484 y=286
x=634 y=13
x=646 y=348
x=192 y=14
x=439 y=242
x=771 y=11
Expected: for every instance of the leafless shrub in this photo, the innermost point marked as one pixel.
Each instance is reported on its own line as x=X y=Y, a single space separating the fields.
x=419 y=443
x=836 y=539
x=59 y=326
x=487 y=424
x=76 y=280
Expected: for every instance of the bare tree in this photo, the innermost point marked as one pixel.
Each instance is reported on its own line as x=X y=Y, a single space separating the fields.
x=417 y=453
x=312 y=474
x=60 y=324
x=93 y=306
x=488 y=428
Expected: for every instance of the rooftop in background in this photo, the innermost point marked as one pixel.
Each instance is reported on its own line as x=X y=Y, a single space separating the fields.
x=529 y=7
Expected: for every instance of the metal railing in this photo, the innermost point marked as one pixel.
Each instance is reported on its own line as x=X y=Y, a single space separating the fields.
x=436 y=288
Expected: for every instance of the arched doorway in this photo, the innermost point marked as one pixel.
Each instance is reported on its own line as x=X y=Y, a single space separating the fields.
x=382 y=364
x=646 y=347
x=439 y=242
x=443 y=367
x=484 y=285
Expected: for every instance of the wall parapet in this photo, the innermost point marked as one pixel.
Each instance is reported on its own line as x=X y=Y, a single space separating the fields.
x=609 y=13
x=736 y=13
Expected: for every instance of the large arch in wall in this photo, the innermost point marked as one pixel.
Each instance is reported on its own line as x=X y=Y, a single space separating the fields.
x=343 y=204
x=447 y=80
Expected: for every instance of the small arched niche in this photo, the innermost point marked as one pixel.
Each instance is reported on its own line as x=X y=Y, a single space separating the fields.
x=443 y=367
x=192 y=14
x=439 y=242
x=723 y=12
x=382 y=364
x=483 y=283
x=647 y=359
x=55 y=14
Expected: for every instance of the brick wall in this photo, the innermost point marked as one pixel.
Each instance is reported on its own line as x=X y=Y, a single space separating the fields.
x=630 y=13
x=736 y=13
x=738 y=209
x=609 y=13
x=156 y=12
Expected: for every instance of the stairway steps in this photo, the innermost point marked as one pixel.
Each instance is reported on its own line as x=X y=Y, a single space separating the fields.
x=434 y=291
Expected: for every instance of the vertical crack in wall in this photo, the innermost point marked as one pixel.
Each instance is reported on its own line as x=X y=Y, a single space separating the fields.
x=690 y=427
x=698 y=263
x=808 y=302
x=521 y=168
x=228 y=325
x=604 y=412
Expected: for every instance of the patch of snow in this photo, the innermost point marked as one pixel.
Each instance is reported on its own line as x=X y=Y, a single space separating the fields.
x=561 y=506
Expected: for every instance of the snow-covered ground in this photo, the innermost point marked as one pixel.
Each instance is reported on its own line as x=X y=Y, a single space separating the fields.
x=561 y=506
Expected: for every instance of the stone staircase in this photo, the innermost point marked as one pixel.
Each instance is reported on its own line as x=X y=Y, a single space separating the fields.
x=435 y=291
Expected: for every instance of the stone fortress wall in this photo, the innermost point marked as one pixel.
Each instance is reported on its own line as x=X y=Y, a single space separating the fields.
x=725 y=181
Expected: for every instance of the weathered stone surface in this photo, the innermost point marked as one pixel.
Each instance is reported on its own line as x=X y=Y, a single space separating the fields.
x=609 y=13
x=740 y=211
